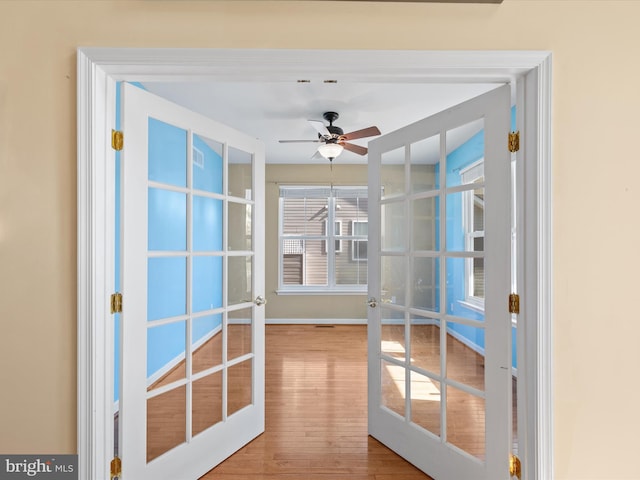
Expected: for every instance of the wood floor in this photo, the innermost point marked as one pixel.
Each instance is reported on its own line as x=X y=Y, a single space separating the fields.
x=316 y=413
x=316 y=403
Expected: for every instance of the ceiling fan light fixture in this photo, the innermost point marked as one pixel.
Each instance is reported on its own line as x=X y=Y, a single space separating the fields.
x=330 y=150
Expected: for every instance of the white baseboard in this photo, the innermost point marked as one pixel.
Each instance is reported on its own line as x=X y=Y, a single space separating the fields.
x=315 y=321
x=171 y=364
x=462 y=339
x=476 y=348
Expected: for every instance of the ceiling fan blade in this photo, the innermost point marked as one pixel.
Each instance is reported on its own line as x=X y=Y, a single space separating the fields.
x=352 y=147
x=299 y=141
x=365 y=132
x=320 y=127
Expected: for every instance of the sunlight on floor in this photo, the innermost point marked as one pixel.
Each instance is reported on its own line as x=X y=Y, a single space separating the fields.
x=391 y=346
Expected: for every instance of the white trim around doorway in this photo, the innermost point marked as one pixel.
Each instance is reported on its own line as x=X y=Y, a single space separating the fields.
x=100 y=68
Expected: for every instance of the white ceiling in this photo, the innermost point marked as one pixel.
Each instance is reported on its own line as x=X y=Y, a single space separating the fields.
x=273 y=111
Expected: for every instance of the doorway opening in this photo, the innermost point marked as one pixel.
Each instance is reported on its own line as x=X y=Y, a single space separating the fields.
x=101 y=68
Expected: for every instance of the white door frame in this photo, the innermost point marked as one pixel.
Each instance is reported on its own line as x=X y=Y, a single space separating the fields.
x=100 y=68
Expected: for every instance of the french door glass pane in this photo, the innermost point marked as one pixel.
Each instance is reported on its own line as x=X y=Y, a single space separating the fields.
x=239 y=279
x=207 y=402
x=206 y=342
x=466 y=421
x=392 y=335
x=425 y=158
x=425 y=343
x=460 y=286
x=240 y=226
x=465 y=146
x=167 y=228
x=207 y=164
x=425 y=277
x=425 y=224
x=464 y=364
x=393 y=384
x=206 y=284
x=392 y=173
x=393 y=279
x=166 y=347
x=240 y=174
x=477 y=223
x=166 y=287
x=466 y=220
x=239 y=386
x=207 y=224
x=166 y=421
x=239 y=333
x=167 y=153
x=393 y=238
x=425 y=402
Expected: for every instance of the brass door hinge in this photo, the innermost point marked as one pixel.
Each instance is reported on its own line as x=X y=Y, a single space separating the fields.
x=515 y=467
x=116 y=303
x=116 y=468
x=514 y=303
x=514 y=141
x=117 y=140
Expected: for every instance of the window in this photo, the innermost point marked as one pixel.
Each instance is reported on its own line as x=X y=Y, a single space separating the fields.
x=473 y=219
x=322 y=239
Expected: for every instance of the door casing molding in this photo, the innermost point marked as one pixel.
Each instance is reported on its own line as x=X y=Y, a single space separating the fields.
x=100 y=68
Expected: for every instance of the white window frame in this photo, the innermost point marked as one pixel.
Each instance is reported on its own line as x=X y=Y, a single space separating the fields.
x=337 y=232
x=331 y=287
x=355 y=242
x=469 y=175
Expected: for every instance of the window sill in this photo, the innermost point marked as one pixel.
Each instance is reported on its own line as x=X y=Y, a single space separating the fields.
x=476 y=307
x=321 y=292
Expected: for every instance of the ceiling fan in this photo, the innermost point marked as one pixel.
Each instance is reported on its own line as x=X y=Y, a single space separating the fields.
x=333 y=139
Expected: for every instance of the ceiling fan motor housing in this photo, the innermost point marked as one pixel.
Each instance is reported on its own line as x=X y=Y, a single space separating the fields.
x=333 y=130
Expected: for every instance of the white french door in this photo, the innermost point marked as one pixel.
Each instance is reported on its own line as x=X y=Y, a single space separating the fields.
x=192 y=375
x=439 y=280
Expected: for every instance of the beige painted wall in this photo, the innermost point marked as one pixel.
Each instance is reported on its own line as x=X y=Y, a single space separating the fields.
x=596 y=194
x=305 y=306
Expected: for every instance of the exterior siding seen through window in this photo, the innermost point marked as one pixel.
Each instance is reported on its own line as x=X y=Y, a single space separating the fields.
x=318 y=231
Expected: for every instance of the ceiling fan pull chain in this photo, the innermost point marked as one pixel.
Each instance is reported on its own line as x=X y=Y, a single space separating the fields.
x=331 y=174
